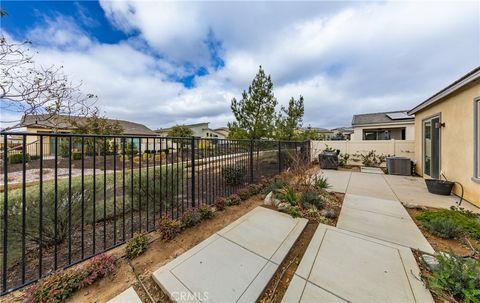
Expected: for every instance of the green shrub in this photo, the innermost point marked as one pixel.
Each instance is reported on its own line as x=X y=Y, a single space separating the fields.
x=254 y=189
x=65 y=204
x=190 y=218
x=76 y=156
x=456 y=277
x=286 y=158
x=370 y=159
x=169 y=228
x=233 y=200
x=294 y=211
x=60 y=285
x=244 y=194
x=289 y=195
x=443 y=228
x=219 y=203
x=18 y=158
x=165 y=188
x=137 y=245
x=321 y=182
x=205 y=212
x=311 y=199
x=274 y=185
x=343 y=159
x=233 y=174
x=467 y=221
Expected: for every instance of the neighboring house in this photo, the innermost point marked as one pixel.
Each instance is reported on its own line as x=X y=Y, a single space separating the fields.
x=322 y=133
x=396 y=125
x=342 y=133
x=448 y=135
x=61 y=124
x=200 y=130
x=223 y=131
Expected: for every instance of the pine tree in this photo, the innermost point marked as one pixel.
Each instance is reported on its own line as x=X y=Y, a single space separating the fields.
x=255 y=113
x=288 y=126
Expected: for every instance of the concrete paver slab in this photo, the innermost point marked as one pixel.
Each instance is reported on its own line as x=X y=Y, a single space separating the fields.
x=338 y=180
x=384 y=227
x=371 y=185
x=269 y=232
x=372 y=170
x=381 y=206
x=128 y=296
x=413 y=191
x=212 y=267
x=355 y=268
x=221 y=270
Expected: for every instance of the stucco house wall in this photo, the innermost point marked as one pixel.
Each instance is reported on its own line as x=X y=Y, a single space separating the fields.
x=396 y=132
x=456 y=139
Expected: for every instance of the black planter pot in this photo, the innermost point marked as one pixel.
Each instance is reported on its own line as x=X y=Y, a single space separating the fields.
x=439 y=187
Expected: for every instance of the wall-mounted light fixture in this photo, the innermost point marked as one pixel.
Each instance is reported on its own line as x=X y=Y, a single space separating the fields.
x=439 y=125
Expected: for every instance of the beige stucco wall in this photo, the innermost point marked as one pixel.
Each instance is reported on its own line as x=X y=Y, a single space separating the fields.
x=400 y=148
x=456 y=139
x=396 y=133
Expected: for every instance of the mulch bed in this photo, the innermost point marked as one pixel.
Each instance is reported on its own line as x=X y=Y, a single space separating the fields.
x=278 y=285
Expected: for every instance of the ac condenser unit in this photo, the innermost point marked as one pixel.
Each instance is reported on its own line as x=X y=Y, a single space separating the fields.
x=399 y=166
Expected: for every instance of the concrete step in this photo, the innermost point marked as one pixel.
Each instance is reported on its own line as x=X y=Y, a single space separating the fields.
x=128 y=296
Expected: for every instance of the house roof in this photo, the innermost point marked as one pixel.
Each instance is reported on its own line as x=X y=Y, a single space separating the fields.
x=222 y=128
x=343 y=129
x=466 y=79
x=382 y=118
x=188 y=125
x=317 y=129
x=63 y=122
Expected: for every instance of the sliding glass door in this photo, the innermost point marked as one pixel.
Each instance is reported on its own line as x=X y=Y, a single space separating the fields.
x=431 y=147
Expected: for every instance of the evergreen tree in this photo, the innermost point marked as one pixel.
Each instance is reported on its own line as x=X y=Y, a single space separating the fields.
x=255 y=113
x=290 y=120
x=180 y=131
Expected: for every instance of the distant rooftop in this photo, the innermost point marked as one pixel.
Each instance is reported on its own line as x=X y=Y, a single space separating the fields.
x=317 y=129
x=64 y=122
x=166 y=129
x=382 y=118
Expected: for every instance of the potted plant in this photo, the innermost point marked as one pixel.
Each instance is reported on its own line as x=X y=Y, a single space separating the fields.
x=439 y=187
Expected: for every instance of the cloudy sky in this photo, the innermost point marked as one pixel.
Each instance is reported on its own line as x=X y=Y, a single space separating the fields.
x=163 y=63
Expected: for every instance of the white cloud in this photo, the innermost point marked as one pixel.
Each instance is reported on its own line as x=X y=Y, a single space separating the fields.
x=344 y=58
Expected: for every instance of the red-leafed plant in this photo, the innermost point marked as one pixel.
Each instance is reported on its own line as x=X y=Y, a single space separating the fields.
x=219 y=203
x=60 y=285
x=244 y=194
x=169 y=228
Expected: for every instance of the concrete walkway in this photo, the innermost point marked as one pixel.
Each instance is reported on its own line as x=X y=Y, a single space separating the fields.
x=341 y=266
x=367 y=257
x=410 y=191
x=372 y=208
x=381 y=219
x=236 y=263
x=128 y=296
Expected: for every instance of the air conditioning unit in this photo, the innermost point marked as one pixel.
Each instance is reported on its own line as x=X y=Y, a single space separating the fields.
x=399 y=166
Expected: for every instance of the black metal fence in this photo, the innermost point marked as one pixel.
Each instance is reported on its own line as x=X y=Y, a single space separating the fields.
x=68 y=197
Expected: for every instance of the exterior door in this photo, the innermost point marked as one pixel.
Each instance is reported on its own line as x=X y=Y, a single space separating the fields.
x=431 y=147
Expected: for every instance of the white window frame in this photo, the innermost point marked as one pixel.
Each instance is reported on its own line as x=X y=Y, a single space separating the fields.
x=476 y=139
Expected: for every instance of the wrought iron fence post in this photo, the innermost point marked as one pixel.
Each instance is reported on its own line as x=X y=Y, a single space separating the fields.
x=193 y=170
x=251 y=161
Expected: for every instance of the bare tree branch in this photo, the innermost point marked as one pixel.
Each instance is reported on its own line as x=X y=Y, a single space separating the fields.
x=27 y=88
